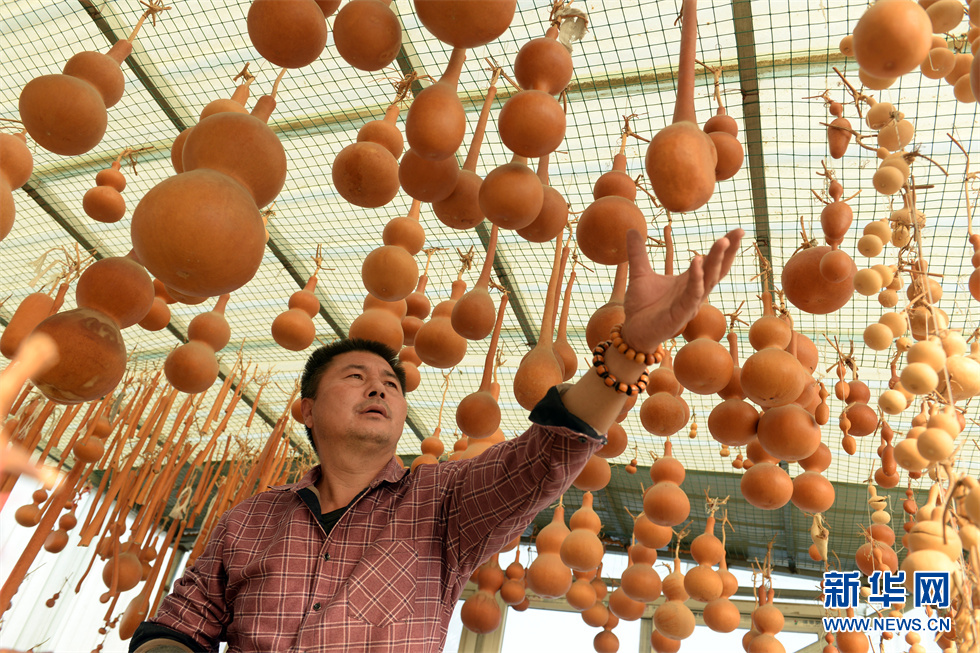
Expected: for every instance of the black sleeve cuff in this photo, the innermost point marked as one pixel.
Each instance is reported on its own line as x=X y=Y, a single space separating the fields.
x=550 y=411
x=147 y=631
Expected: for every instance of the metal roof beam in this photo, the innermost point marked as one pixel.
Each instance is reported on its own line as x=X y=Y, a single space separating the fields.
x=166 y=97
x=748 y=65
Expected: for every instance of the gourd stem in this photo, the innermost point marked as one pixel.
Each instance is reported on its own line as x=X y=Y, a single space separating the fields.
x=455 y=67
x=484 y=280
x=547 y=319
x=415 y=212
x=488 y=366
x=222 y=302
x=566 y=303
x=275 y=85
x=684 y=105
x=391 y=113
x=543 y=169
x=669 y=240
x=481 y=125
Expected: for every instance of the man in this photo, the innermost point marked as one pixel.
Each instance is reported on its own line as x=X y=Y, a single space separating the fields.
x=361 y=555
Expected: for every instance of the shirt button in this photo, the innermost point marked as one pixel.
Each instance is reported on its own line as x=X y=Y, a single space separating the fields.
x=326 y=556
x=316 y=607
x=581 y=439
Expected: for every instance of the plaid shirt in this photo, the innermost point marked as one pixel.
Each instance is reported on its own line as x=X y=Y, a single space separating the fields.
x=388 y=575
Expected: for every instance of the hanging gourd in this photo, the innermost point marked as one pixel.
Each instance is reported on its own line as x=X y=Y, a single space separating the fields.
x=581 y=595
x=233 y=164
x=672 y=618
x=117 y=286
x=192 y=367
x=158 y=317
x=640 y=581
x=66 y=113
x=540 y=369
x=367 y=34
x=427 y=180
x=406 y=231
x=547 y=576
x=287 y=34
x=178 y=222
x=480 y=612
x=664 y=502
x=365 y=173
x=104 y=202
x=681 y=159
x=595 y=475
x=464 y=24
x=703 y=365
x=241 y=146
x=461 y=208
x=389 y=273
x=767 y=619
x=512 y=592
x=473 y=315
x=602 y=227
x=720 y=614
x=723 y=131
x=478 y=414
x=294 y=329
x=236 y=104
x=582 y=550
x=511 y=195
x=34 y=308
x=766 y=486
x=436 y=122
x=417 y=305
x=816 y=298
x=701 y=582
x=16 y=166
x=92 y=356
x=437 y=343
x=892 y=38
x=664 y=412
x=378 y=324
x=531 y=123
x=772 y=376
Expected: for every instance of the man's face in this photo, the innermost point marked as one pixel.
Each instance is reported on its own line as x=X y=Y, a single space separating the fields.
x=358 y=402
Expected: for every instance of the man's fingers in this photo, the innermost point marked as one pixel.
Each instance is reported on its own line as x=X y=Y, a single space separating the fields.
x=637 y=252
x=713 y=262
x=721 y=257
x=694 y=291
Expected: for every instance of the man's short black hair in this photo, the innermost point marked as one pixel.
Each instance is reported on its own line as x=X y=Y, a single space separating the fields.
x=321 y=358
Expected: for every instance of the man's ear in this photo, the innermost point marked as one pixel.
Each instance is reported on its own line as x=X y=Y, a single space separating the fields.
x=306 y=407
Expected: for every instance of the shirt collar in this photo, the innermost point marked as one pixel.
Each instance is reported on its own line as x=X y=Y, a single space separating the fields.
x=390 y=473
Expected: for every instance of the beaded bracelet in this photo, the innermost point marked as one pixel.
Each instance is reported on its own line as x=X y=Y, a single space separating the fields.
x=599 y=363
x=640 y=357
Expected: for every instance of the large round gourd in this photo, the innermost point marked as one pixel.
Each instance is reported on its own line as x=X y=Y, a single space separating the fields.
x=117 y=286
x=242 y=147
x=464 y=23
x=91 y=356
x=291 y=34
x=200 y=233
x=820 y=298
x=64 y=114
